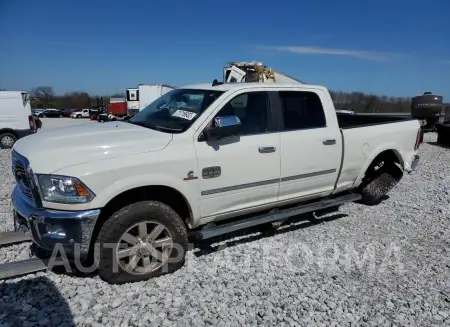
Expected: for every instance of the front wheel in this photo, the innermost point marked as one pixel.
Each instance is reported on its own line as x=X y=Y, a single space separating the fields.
x=78 y=116
x=141 y=241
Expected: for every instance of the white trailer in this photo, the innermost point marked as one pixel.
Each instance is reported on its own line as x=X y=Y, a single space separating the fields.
x=140 y=97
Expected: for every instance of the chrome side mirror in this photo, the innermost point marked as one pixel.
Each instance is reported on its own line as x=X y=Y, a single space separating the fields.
x=223 y=126
x=226 y=121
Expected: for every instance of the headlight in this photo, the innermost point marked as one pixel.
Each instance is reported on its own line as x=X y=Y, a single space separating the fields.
x=63 y=189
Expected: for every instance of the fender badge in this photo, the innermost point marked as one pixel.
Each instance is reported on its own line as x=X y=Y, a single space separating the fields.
x=190 y=176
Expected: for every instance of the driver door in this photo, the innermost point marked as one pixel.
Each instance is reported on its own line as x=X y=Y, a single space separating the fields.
x=240 y=172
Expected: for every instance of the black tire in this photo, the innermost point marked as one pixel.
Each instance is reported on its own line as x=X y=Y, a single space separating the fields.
x=40 y=252
x=113 y=229
x=78 y=116
x=7 y=140
x=380 y=183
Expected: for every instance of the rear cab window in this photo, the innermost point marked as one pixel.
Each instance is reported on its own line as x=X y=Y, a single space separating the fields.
x=302 y=110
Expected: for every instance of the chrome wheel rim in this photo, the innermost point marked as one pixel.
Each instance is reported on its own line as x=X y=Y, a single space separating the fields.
x=7 y=140
x=144 y=247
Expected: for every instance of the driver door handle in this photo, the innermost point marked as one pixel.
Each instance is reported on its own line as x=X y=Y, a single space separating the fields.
x=329 y=142
x=266 y=149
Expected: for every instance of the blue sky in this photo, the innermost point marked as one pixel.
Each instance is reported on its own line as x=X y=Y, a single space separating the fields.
x=106 y=46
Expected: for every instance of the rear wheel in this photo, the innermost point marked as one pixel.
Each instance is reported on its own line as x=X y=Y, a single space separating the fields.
x=7 y=140
x=78 y=116
x=379 y=181
x=141 y=241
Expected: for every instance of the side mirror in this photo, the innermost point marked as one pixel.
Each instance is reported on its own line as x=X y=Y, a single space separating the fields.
x=223 y=127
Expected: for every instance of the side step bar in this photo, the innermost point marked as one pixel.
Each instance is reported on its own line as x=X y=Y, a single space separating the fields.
x=24 y=267
x=272 y=217
x=8 y=238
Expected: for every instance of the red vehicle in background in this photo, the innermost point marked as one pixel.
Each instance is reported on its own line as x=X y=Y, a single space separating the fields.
x=117 y=108
x=68 y=112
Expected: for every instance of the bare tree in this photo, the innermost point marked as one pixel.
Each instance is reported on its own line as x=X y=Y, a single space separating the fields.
x=43 y=94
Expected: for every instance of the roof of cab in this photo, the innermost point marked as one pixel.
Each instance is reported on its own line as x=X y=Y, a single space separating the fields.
x=233 y=86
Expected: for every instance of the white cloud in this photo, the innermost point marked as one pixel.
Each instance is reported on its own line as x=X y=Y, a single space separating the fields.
x=367 y=55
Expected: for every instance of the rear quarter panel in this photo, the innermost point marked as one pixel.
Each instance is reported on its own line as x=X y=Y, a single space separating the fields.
x=363 y=144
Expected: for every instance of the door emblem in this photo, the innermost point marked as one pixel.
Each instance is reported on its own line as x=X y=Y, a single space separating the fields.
x=190 y=176
x=211 y=172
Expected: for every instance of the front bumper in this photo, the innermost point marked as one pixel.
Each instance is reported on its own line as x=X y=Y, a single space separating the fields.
x=72 y=229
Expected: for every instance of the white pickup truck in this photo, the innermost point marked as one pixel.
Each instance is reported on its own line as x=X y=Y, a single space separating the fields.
x=84 y=113
x=192 y=160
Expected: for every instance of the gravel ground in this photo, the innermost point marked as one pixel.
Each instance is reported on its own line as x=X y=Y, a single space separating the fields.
x=386 y=265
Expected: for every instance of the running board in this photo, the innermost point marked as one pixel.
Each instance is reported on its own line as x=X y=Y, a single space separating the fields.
x=273 y=217
x=8 y=238
x=24 y=267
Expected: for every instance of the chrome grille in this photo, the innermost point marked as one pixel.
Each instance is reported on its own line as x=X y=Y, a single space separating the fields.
x=20 y=173
x=20 y=166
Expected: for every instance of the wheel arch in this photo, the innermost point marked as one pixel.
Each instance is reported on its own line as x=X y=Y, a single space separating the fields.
x=8 y=130
x=162 y=193
x=387 y=154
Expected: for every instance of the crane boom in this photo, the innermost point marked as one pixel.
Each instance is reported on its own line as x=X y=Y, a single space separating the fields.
x=248 y=72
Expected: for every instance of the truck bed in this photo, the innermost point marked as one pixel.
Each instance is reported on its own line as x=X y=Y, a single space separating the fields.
x=347 y=121
x=378 y=133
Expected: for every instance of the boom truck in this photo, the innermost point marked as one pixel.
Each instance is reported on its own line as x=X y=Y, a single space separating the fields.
x=201 y=161
x=254 y=72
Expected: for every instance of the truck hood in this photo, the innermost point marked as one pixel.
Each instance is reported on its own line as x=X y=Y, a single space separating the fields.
x=55 y=149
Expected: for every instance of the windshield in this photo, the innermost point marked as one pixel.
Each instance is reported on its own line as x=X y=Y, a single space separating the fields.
x=176 y=110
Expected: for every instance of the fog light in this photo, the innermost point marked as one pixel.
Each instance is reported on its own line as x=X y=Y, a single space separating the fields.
x=55 y=230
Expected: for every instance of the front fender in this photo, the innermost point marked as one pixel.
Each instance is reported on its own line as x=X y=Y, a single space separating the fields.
x=185 y=188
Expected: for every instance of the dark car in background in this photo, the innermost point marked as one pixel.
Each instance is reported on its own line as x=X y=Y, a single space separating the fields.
x=51 y=113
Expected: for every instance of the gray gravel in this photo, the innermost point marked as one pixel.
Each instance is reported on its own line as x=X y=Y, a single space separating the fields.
x=386 y=265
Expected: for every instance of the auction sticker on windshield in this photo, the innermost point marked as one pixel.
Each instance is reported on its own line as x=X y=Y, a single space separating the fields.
x=189 y=115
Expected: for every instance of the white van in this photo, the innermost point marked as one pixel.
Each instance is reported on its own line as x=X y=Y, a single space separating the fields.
x=16 y=120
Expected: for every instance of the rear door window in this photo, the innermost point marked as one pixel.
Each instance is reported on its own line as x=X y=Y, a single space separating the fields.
x=302 y=110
